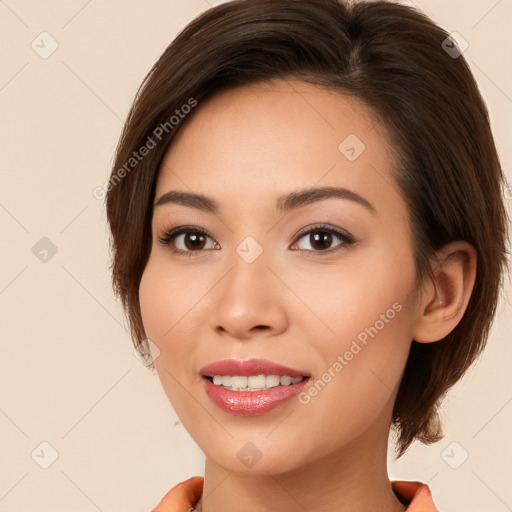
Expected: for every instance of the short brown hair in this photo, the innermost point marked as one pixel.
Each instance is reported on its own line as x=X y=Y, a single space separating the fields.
x=392 y=58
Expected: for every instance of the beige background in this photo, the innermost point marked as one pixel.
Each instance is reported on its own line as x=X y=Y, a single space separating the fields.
x=68 y=376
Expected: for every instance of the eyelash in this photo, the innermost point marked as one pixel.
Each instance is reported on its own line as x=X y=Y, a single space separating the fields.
x=347 y=239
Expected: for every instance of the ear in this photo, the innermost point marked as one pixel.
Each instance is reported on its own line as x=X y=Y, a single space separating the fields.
x=445 y=297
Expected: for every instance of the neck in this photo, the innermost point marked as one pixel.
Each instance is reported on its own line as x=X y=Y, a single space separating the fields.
x=353 y=479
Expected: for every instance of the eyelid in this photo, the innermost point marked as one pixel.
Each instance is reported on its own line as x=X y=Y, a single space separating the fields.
x=325 y=227
x=170 y=234
x=343 y=234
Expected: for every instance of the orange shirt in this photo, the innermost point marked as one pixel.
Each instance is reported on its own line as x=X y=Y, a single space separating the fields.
x=183 y=496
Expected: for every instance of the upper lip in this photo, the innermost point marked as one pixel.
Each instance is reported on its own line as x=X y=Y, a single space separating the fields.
x=249 y=367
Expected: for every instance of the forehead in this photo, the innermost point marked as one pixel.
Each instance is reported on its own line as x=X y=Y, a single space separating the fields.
x=257 y=141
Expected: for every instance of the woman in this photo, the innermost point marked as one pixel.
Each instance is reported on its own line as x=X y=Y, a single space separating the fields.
x=307 y=224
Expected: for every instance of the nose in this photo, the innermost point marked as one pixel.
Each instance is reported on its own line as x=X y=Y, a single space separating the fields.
x=249 y=301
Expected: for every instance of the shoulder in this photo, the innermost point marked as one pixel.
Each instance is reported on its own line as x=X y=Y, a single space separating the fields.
x=416 y=495
x=182 y=497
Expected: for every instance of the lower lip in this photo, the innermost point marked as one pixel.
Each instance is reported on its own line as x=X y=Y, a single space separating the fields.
x=251 y=403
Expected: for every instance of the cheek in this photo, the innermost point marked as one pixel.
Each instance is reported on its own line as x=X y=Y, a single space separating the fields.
x=361 y=374
x=161 y=310
x=367 y=310
x=151 y=301
x=364 y=291
x=166 y=298
x=169 y=301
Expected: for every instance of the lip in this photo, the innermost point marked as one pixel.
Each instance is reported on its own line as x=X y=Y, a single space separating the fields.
x=249 y=368
x=250 y=403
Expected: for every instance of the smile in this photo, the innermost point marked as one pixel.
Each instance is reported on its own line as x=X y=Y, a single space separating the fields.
x=251 y=387
x=254 y=382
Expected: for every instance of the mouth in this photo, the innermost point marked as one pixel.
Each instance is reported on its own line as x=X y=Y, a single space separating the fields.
x=253 y=382
x=251 y=374
x=251 y=387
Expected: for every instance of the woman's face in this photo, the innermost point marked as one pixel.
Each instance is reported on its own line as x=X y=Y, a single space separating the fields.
x=323 y=284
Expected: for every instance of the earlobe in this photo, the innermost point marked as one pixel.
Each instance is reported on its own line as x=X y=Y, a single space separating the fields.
x=445 y=298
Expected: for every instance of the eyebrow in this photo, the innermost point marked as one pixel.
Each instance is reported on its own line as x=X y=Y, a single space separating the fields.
x=284 y=203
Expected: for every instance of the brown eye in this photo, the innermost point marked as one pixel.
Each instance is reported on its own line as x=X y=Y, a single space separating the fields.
x=186 y=240
x=193 y=241
x=321 y=239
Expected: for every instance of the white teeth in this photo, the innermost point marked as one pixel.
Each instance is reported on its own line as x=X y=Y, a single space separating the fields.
x=254 y=382
x=271 y=381
x=285 y=380
x=238 y=382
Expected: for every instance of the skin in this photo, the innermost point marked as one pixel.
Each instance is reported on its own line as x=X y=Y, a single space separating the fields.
x=244 y=148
